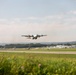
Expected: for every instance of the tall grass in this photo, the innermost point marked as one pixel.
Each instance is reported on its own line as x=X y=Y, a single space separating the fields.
x=37 y=64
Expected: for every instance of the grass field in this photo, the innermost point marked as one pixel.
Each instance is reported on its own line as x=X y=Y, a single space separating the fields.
x=37 y=64
x=39 y=49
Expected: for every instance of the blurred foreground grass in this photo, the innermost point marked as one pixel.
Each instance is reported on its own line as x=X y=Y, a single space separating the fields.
x=37 y=64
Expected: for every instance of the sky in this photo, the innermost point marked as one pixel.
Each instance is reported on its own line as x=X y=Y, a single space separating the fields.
x=54 y=18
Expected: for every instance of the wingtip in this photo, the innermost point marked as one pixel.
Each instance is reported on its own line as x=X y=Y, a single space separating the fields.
x=22 y=35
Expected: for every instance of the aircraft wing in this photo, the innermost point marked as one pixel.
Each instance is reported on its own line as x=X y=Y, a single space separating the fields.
x=27 y=35
x=41 y=35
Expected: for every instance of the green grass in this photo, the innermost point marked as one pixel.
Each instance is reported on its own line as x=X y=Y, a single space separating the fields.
x=39 y=49
x=37 y=64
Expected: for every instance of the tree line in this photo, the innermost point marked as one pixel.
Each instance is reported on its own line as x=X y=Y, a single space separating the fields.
x=33 y=45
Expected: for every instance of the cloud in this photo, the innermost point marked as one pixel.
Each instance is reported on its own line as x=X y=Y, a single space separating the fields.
x=57 y=27
x=72 y=12
x=54 y=17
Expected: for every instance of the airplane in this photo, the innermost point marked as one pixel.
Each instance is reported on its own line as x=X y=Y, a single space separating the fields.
x=33 y=36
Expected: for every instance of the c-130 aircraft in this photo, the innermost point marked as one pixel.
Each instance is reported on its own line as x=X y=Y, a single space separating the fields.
x=33 y=36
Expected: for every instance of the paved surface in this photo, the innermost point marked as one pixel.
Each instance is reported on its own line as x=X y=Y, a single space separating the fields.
x=46 y=52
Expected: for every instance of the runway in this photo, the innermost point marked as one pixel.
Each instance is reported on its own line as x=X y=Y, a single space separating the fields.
x=43 y=52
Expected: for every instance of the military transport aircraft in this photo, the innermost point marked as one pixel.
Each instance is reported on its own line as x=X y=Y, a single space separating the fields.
x=33 y=36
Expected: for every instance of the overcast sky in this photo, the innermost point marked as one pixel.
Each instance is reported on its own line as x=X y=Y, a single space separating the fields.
x=55 y=18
